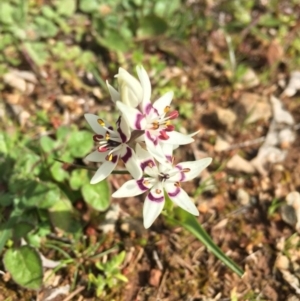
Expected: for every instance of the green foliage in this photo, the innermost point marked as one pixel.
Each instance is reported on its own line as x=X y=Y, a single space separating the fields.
x=111 y=274
x=24 y=265
x=31 y=30
x=97 y=195
x=39 y=193
x=190 y=223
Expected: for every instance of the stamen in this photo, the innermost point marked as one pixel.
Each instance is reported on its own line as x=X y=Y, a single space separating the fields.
x=177 y=184
x=102 y=148
x=173 y=115
x=155 y=125
x=109 y=157
x=170 y=128
x=167 y=109
x=107 y=136
x=146 y=183
x=158 y=191
x=186 y=170
x=163 y=135
x=101 y=122
x=150 y=164
x=97 y=138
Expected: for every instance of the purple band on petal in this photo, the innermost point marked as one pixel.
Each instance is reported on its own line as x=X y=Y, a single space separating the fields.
x=115 y=159
x=128 y=154
x=137 y=124
x=153 y=139
x=146 y=164
x=155 y=199
x=148 y=108
x=118 y=122
x=122 y=135
x=169 y=158
x=181 y=174
x=174 y=193
x=141 y=185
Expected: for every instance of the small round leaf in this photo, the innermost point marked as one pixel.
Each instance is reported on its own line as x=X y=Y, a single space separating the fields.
x=97 y=195
x=25 y=266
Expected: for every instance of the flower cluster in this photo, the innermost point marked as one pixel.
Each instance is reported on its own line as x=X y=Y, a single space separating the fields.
x=144 y=139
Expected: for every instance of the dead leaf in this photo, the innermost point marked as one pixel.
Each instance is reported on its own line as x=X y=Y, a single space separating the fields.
x=249 y=79
x=111 y=218
x=275 y=52
x=226 y=117
x=155 y=276
x=256 y=107
x=293 y=85
x=24 y=81
x=240 y=164
x=279 y=133
x=293 y=199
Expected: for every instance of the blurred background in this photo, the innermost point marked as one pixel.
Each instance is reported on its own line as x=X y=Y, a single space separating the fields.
x=234 y=68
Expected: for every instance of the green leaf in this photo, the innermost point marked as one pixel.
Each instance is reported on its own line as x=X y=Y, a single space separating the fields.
x=6 y=199
x=190 y=223
x=114 y=40
x=27 y=163
x=3 y=145
x=62 y=132
x=88 y=6
x=58 y=173
x=152 y=26
x=45 y=28
x=163 y=8
x=79 y=177
x=66 y=7
x=117 y=260
x=48 y=12
x=25 y=266
x=5 y=235
x=63 y=217
x=37 y=51
x=6 y=13
x=97 y=195
x=47 y=144
x=33 y=193
x=21 y=229
x=80 y=143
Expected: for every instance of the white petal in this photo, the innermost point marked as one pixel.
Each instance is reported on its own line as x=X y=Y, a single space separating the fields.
x=131 y=162
x=153 y=206
x=114 y=94
x=94 y=124
x=181 y=198
x=146 y=85
x=152 y=172
x=130 y=188
x=190 y=135
x=163 y=102
x=103 y=171
x=133 y=117
x=144 y=156
x=168 y=150
x=155 y=149
x=96 y=156
x=124 y=130
x=195 y=168
x=140 y=138
x=177 y=138
x=130 y=88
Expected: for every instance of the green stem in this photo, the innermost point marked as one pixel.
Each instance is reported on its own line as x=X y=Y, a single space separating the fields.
x=190 y=223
